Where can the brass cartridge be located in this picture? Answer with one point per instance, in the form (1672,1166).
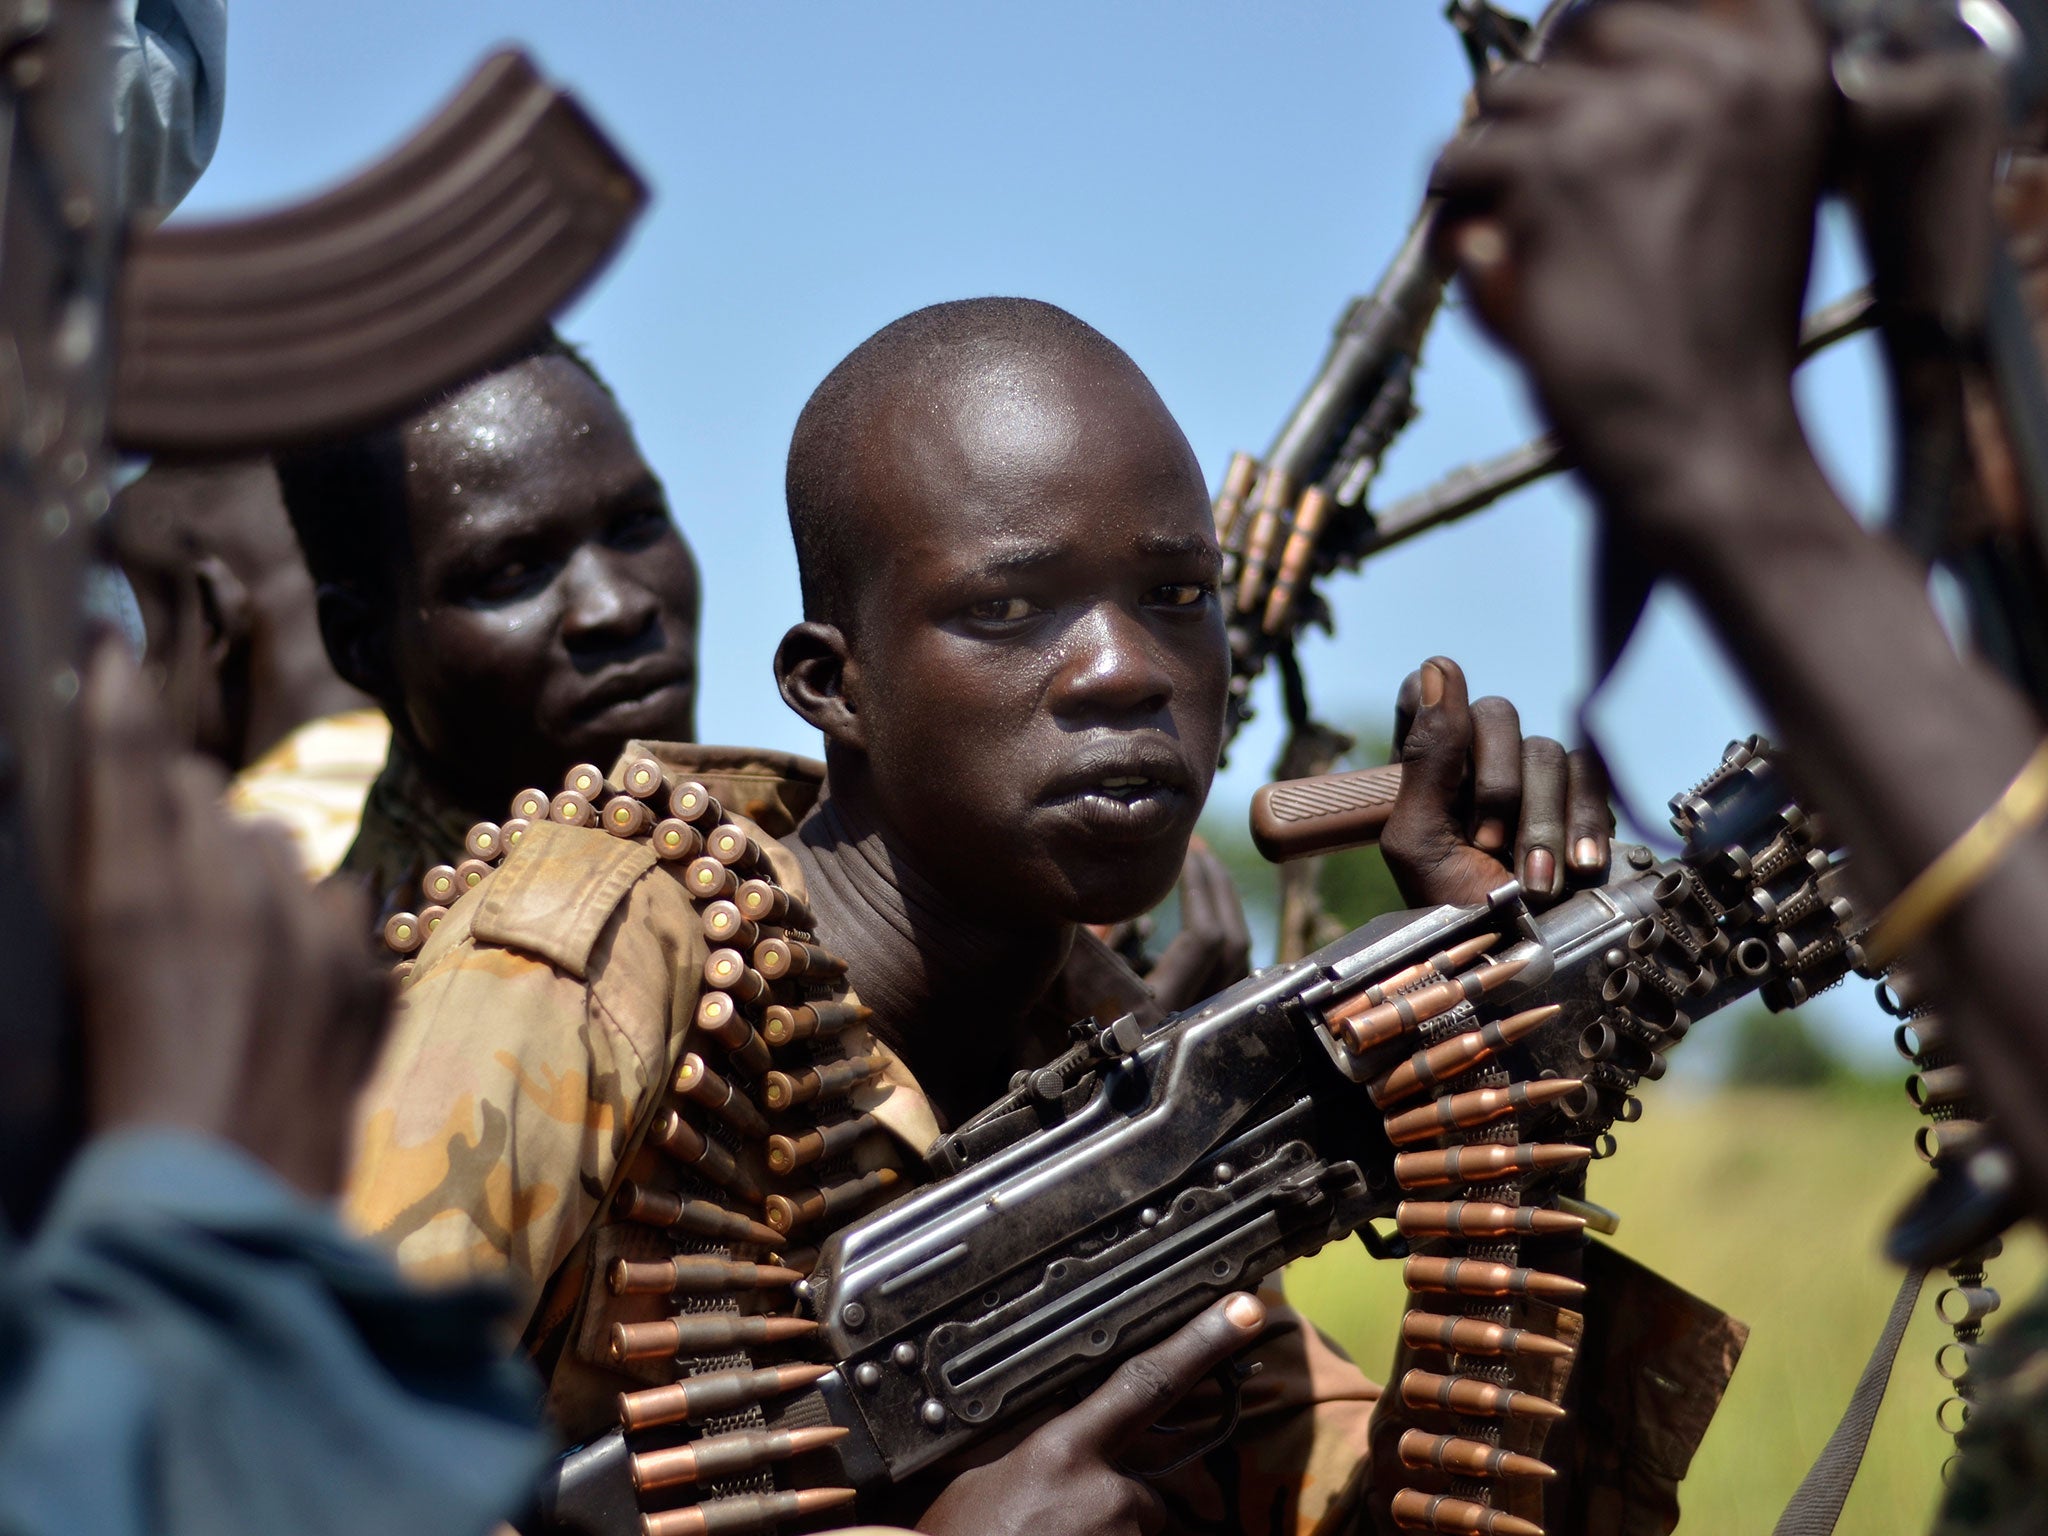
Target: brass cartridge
(786,1154)
(1438,1063)
(1414,1510)
(786,1213)
(714,1395)
(1478,1277)
(784,1089)
(1479,1218)
(720,1457)
(1400,1014)
(755,1514)
(696,1274)
(663,1208)
(702,1333)
(696,1081)
(1470,1458)
(687,1144)
(1472,1336)
(675,840)
(1470,1395)
(823,1020)
(1480,1106)
(1483,1162)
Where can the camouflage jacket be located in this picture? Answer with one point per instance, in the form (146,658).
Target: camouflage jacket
(314,783)
(537,1034)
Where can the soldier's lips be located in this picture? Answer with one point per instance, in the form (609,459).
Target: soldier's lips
(636,702)
(1136,810)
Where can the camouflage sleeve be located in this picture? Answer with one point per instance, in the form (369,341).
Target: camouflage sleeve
(538,1023)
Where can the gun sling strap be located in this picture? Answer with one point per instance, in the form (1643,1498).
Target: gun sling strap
(1817,1503)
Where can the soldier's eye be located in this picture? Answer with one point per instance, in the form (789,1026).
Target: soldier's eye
(515,579)
(1182,594)
(1000,610)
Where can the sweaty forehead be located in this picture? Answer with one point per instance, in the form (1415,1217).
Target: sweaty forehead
(998,444)
(538,420)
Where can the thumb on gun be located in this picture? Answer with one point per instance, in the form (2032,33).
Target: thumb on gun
(1148,1386)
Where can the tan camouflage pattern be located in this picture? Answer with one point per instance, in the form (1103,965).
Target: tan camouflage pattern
(314,784)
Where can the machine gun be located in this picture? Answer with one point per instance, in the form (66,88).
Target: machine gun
(1471,1055)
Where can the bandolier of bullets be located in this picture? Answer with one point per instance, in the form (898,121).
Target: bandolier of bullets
(1463,1157)
(759,1139)
(1956,1133)
(1512,1121)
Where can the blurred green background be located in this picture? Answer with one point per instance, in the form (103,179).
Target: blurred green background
(1761,1177)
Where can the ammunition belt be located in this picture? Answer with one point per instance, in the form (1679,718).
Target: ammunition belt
(759,1141)
(1957,1135)
(1477,1467)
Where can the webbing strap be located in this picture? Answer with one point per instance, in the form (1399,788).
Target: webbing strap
(1817,1504)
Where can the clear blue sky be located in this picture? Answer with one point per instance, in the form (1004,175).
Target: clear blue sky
(1206,182)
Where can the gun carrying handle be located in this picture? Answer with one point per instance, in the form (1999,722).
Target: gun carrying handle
(1298,817)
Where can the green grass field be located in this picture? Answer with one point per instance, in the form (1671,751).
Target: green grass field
(1770,1205)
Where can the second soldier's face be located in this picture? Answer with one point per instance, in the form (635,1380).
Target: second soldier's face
(550,612)
(1039,662)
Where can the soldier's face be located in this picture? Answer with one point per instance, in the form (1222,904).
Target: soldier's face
(550,611)
(1039,661)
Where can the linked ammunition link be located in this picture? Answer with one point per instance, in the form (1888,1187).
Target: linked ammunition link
(1959,1144)
(775,1030)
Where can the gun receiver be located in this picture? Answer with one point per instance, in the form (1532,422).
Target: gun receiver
(1115,1193)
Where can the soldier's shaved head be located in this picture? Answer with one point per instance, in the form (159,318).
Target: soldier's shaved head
(900,394)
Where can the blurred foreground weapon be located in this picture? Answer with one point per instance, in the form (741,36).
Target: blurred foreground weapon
(1476,1056)
(215,338)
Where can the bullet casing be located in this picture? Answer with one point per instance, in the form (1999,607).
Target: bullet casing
(687,1144)
(1479,1218)
(1483,1162)
(1414,1510)
(643,779)
(675,841)
(703,1333)
(786,1213)
(765,902)
(1479,1106)
(486,841)
(1470,1458)
(1480,1277)
(730,845)
(670,1211)
(692,802)
(696,1082)
(714,1395)
(783,1025)
(624,816)
(1447,1334)
(708,880)
(1478,1399)
(751,1514)
(786,1154)
(1399,1015)
(1450,1058)
(782,1090)
(719,1457)
(695,1274)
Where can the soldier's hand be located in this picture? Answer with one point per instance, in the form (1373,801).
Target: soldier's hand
(1635,218)
(1213,949)
(1063,1480)
(219,992)
(1480,802)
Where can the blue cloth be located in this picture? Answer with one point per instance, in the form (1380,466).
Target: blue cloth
(186,1346)
(170,87)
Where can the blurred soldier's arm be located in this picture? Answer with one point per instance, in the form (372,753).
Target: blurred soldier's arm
(1643,218)
(186,1342)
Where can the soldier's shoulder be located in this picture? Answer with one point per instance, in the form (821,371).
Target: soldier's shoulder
(552,897)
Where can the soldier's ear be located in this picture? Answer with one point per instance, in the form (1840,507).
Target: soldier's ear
(357,638)
(819,679)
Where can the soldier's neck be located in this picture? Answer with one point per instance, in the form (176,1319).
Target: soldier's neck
(951,995)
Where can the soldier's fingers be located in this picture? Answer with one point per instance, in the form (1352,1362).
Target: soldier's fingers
(1539,847)
(1406,702)
(1496,772)
(1148,1385)
(1589,817)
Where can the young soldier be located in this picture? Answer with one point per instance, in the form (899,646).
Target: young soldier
(1013,648)
(501,573)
